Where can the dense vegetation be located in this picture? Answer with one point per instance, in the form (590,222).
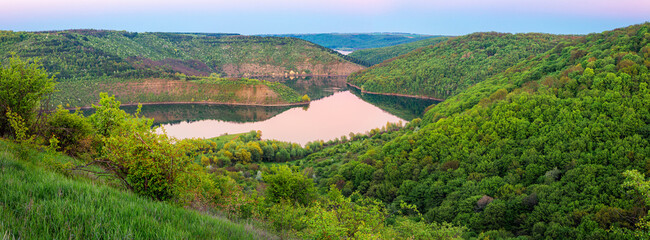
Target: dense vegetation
(537,151)
(38,202)
(450,67)
(355,41)
(76,54)
(197,90)
(221,176)
(554,146)
(374,56)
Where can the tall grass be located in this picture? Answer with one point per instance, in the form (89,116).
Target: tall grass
(36,203)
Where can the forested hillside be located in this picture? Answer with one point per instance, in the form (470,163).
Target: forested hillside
(443,70)
(541,150)
(374,56)
(355,41)
(555,145)
(75,54)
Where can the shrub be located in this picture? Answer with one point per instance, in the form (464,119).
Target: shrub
(286,185)
(23,84)
(72,130)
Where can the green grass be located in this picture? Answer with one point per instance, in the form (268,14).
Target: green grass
(36,203)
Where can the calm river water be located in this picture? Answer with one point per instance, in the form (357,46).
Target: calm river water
(336,111)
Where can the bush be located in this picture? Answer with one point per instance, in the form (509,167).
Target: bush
(286,185)
(23,84)
(72,130)
(146,162)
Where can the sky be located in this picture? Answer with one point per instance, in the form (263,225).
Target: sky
(450,17)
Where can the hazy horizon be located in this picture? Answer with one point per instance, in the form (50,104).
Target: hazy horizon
(250,17)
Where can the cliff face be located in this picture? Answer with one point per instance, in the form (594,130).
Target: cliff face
(303,69)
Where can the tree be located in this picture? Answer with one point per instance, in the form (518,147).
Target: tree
(151,164)
(636,180)
(305,98)
(108,115)
(23,85)
(73,131)
(286,185)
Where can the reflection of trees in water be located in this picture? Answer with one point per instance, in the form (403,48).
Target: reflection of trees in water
(176,113)
(403,107)
(316,87)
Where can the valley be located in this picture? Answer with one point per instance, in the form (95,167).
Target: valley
(481,136)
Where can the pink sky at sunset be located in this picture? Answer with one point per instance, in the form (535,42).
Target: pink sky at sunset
(637,8)
(294,16)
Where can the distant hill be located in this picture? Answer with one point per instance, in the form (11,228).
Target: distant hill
(93,53)
(448,68)
(356,41)
(374,56)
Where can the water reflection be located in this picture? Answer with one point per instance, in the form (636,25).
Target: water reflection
(335,111)
(316,87)
(176,113)
(403,107)
(325,119)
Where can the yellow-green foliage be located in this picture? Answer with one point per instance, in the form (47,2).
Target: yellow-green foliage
(151,164)
(23,84)
(283,184)
(72,131)
(36,203)
(337,217)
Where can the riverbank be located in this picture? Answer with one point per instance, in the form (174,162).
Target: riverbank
(249,92)
(205,103)
(395,94)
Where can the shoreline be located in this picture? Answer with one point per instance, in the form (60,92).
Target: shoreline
(203,103)
(395,94)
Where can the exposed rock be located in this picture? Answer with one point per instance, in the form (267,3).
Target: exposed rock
(483,202)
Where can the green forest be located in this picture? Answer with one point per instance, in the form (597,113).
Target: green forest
(88,54)
(450,67)
(540,137)
(374,56)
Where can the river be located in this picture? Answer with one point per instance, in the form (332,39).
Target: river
(335,111)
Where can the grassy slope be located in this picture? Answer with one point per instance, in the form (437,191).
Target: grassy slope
(374,56)
(89,53)
(353,41)
(36,203)
(448,68)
